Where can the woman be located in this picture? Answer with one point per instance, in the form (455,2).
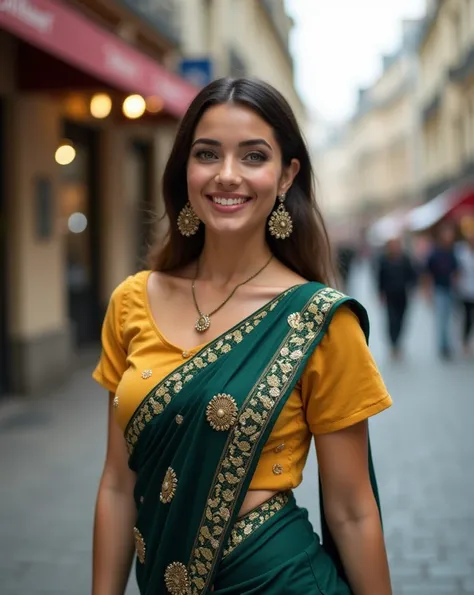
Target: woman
(222,362)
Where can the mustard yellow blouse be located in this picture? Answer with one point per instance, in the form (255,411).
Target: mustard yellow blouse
(339,387)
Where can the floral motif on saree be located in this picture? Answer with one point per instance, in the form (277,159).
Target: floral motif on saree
(176,579)
(168,489)
(222,412)
(140,546)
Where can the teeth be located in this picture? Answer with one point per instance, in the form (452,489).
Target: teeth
(228,202)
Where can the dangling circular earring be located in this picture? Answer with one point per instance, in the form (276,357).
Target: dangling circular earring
(281,223)
(188,221)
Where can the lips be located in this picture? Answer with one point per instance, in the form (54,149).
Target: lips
(228,202)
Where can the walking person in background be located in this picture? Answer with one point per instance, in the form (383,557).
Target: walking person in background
(396,278)
(465,286)
(439,281)
(345,255)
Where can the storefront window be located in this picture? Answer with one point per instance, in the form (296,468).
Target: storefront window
(78,203)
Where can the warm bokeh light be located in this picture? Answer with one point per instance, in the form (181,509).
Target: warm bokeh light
(65,153)
(154,104)
(134,106)
(101,105)
(76,106)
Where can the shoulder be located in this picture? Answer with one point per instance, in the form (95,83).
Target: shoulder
(343,350)
(347,328)
(132,286)
(332,308)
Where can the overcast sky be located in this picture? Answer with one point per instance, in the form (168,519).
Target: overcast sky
(337,46)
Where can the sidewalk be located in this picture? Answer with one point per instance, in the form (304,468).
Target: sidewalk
(53,449)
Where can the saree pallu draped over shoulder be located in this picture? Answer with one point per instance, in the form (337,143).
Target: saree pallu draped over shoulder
(195,440)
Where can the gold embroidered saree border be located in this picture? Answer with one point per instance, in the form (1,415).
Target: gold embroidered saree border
(162,394)
(241,445)
(252,521)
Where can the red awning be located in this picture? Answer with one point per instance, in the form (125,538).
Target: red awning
(450,204)
(70,36)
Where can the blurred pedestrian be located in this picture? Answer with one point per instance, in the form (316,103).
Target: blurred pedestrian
(231,331)
(345,255)
(439,282)
(465,286)
(396,278)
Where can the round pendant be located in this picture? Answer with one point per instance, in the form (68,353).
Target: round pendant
(202,323)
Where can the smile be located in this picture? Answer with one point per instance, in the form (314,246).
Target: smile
(228,202)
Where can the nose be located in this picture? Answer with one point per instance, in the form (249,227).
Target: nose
(228,174)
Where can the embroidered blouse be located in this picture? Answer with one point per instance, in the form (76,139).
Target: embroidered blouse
(340,386)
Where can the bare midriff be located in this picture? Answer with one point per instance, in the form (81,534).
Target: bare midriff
(255,498)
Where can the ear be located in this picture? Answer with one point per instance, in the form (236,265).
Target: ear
(288,175)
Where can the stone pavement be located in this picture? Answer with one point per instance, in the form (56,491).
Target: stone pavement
(53,448)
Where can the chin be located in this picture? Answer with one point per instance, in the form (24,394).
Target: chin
(230,228)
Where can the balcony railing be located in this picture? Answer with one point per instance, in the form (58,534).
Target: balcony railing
(162,15)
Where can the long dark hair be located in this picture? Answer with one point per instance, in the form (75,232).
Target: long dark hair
(307,251)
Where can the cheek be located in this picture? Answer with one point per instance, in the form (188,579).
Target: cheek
(265,181)
(196,178)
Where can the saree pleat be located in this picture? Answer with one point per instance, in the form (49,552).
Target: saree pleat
(281,557)
(195,441)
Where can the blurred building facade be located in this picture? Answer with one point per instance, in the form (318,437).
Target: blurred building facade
(91,93)
(77,177)
(373,162)
(446,94)
(412,136)
(242,38)
(384,133)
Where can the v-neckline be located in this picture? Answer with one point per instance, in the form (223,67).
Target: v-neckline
(197,348)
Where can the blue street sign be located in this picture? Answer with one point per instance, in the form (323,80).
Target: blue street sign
(197,71)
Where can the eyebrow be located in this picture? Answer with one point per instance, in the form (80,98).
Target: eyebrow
(246,143)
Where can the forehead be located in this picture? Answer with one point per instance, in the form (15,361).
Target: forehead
(233,123)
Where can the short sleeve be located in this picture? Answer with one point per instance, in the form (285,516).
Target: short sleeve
(341,384)
(113,359)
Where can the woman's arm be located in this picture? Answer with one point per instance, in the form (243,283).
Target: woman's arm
(114,517)
(351,510)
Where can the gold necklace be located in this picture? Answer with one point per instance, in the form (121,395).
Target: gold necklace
(203,323)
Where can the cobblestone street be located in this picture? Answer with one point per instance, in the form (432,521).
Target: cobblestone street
(53,447)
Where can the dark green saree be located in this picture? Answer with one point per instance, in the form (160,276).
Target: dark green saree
(195,442)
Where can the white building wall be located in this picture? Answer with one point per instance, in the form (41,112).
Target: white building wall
(212,27)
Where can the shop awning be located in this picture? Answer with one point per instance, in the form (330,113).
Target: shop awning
(71,37)
(451,203)
(388,227)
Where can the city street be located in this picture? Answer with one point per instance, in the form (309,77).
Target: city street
(53,448)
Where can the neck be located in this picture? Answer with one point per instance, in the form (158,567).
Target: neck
(230,260)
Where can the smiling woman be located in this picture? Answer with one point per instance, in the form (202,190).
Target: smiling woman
(222,362)
(250,134)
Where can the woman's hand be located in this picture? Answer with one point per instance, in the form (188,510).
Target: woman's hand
(351,510)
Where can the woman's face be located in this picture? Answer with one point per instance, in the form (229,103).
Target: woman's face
(235,170)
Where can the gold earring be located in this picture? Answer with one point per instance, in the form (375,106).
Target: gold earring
(281,223)
(188,221)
